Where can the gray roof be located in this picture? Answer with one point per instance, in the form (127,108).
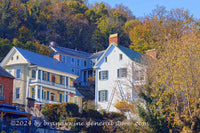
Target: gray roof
(44,61)
(133,55)
(4,73)
(77,53)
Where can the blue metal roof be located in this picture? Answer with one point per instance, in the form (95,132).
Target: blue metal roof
(133,55)
(77,53)
(44,61)
(11,109)
(4,73)
(78,93)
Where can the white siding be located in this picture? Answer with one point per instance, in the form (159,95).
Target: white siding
(112,65)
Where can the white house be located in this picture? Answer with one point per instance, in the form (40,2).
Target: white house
(117,70)
(80,63)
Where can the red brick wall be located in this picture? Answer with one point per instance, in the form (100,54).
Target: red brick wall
(7,89)
(58,57)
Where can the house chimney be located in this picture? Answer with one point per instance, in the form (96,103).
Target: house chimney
(114,38)
(152,53)
(57,57)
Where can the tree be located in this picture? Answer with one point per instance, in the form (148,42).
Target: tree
(173,86)
(157,28)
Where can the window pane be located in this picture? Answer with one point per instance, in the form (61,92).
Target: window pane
(17,94)
(38,93)
(123,72)
(39,74)
(33,73)
(1,90)
(33,92)
(103,95)
(47,95)
(18,72)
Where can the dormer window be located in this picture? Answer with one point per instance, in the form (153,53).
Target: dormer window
(11,58)
(17,57)
(120,56)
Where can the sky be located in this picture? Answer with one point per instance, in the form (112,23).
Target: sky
(140,8)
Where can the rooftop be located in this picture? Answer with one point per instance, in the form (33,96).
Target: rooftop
(76,52)
(4,73)
(43,61)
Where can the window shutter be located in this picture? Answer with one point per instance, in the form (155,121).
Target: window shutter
(47,95)
(48,76)
(61,98)
(60,79)
(99,75)
(42,94)
(99,96)
(118,71)
(38,93)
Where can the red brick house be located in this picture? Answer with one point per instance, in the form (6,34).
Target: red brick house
(6,87)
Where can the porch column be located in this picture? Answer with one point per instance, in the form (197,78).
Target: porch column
(36,92)
(65,82)
(64,99)
(36,75)
(40,93)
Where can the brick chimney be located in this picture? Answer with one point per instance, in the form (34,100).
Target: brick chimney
(57,57)
(114,38)
(152,53)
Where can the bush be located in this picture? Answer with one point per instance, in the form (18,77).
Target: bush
(114,116)
(71,109)
(93,114)
(57,112)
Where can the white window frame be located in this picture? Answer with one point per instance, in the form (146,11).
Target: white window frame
(120,73)
(20,71)
(103,96)
(16,93)
(44,95)
(103,75)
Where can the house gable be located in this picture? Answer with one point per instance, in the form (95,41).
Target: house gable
(14,57)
